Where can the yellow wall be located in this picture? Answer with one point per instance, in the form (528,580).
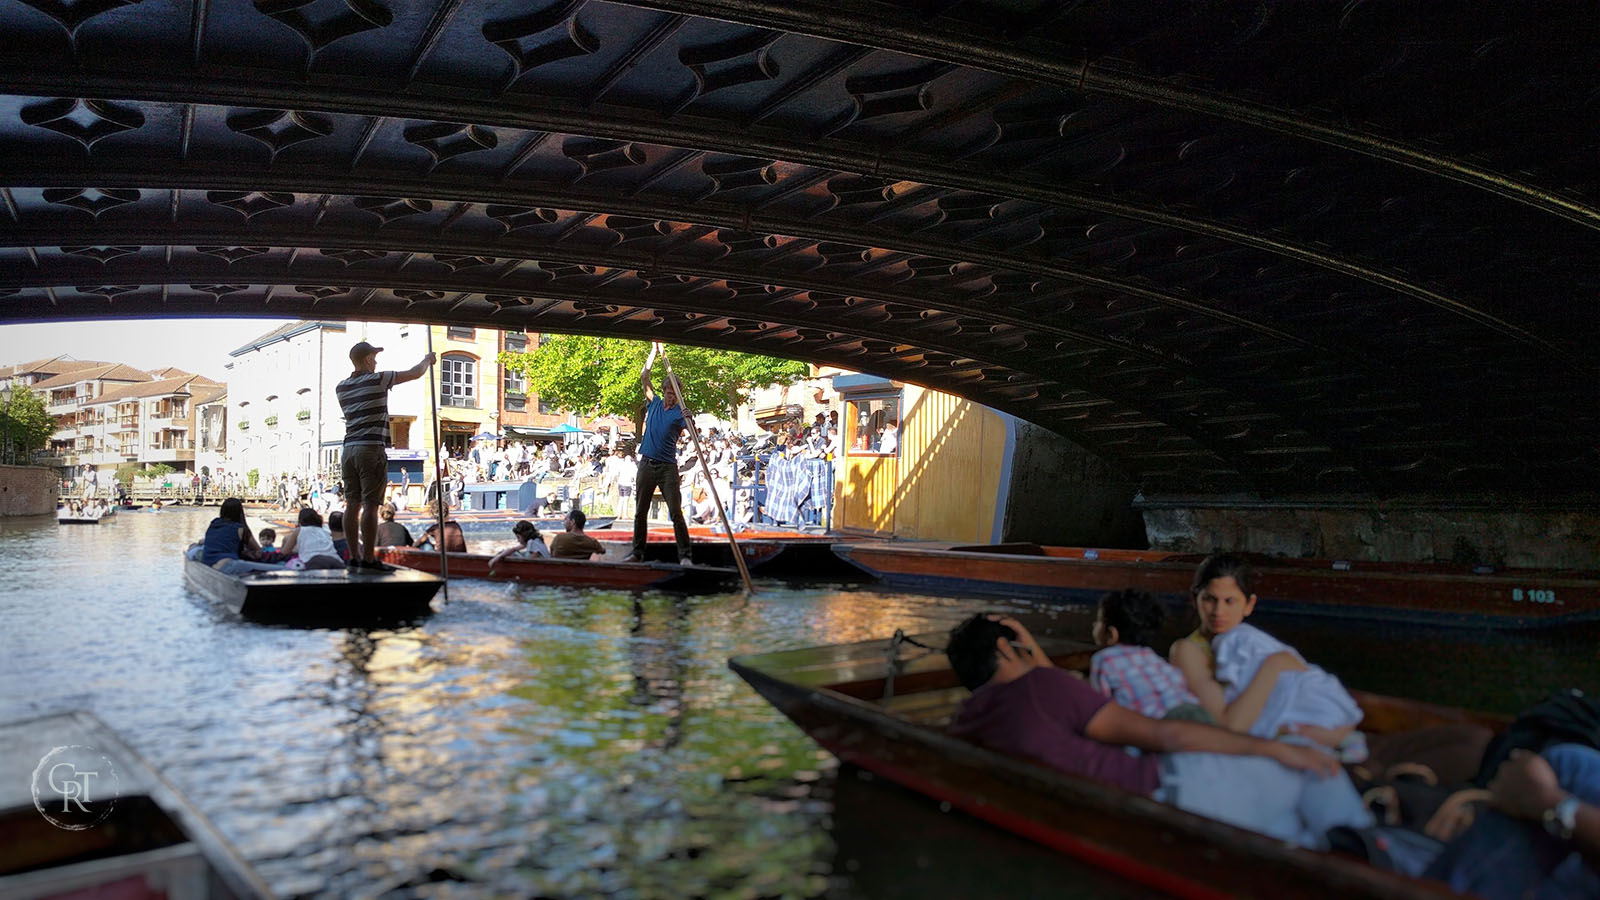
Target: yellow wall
(945,483)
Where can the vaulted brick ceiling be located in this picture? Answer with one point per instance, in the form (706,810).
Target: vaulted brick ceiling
(1308,249)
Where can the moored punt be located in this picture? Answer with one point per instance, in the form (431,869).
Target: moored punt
(317,597)
(567,572)
(151,842)
(1420,593)
(836,695)
(71,519)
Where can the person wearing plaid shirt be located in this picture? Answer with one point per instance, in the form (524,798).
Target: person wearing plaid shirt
(1127,670)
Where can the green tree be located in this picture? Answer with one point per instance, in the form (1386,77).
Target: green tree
(27,423)
(600,376)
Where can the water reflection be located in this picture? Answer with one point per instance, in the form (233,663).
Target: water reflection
(535,742)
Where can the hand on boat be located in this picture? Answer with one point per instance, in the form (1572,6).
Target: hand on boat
(1525,786)
(1305,759)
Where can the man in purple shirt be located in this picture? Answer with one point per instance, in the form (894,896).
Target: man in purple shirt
(1022,705)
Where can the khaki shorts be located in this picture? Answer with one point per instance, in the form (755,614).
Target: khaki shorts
(366,474)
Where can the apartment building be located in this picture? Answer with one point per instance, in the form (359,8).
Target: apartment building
(146,422)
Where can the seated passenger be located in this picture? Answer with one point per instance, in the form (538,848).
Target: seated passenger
(228,546)
(1248,680)
(310,546)
(336,531)
(1131,673)
(529,543)
(573,543)
(268,539)
(1542,837)
(1022,705)
(454,540)
(390,532)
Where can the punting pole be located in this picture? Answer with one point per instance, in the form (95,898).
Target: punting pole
(438,467)
(705,467)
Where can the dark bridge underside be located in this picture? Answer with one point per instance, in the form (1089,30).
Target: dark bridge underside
(1280,249)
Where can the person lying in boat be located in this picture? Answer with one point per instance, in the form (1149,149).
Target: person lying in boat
(390,532)
(1541,839)
(310,545)
(573,543)
(1023,705)
(1128,670)
(1250,681)
(454,540)
(229,546)
(530,543)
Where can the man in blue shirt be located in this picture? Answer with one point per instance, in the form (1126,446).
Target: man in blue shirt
(658,463)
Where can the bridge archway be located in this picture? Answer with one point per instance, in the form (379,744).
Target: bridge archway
(1271,251)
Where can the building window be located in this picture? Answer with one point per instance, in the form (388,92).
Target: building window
(546,409)
(545,339)
(516,342)
(873,425)
(516,404)
(461,332)
(458,381)
(516,382)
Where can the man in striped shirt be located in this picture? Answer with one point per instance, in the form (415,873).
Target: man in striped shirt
(364,397)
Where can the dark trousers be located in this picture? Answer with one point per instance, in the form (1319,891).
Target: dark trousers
(656,474)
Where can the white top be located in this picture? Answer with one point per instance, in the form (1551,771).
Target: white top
(1311,697)
(312,540)
(535,549)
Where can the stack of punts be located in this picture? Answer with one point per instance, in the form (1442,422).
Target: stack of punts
(317,597)
(837,695)
(1420,593)
(121,829)
(575,573)
(766,550)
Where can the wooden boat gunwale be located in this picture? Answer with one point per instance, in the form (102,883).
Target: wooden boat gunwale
(286,596)
(1031,800)
(224,861)
(561,572)
(1067,575)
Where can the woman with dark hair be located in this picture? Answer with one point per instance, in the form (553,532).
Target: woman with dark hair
(229,546)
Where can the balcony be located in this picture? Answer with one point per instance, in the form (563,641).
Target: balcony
(168,454)
(126,423)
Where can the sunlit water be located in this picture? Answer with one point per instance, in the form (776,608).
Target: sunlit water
(528,742)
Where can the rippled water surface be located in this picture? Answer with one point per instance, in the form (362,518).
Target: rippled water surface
(529,742)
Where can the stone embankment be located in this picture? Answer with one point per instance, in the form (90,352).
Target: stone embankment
(27,491)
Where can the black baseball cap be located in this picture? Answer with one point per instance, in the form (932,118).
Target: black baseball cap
(362,350)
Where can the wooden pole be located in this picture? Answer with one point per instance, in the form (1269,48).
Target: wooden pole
(705,467)
(438,467)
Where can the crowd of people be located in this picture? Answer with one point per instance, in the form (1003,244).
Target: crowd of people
(1232,724)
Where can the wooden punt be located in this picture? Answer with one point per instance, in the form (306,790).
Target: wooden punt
(317,597)
(836,695)
(80,520)
(150,843)
(1398,592)
(576,573)
(766,551)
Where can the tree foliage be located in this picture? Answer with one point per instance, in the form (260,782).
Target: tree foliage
(600,376)
(27,423)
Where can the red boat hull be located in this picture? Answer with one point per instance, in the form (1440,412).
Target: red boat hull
(561,572)
(1427,594)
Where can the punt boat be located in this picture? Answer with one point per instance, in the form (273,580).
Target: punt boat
(766,551)
(123,832)
(869,705)
(1419,593)
(578,573)
(81,518)
(317,597)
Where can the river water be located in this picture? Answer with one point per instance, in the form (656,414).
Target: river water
(528,742)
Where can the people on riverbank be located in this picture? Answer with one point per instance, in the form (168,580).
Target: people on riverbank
(1022,705)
